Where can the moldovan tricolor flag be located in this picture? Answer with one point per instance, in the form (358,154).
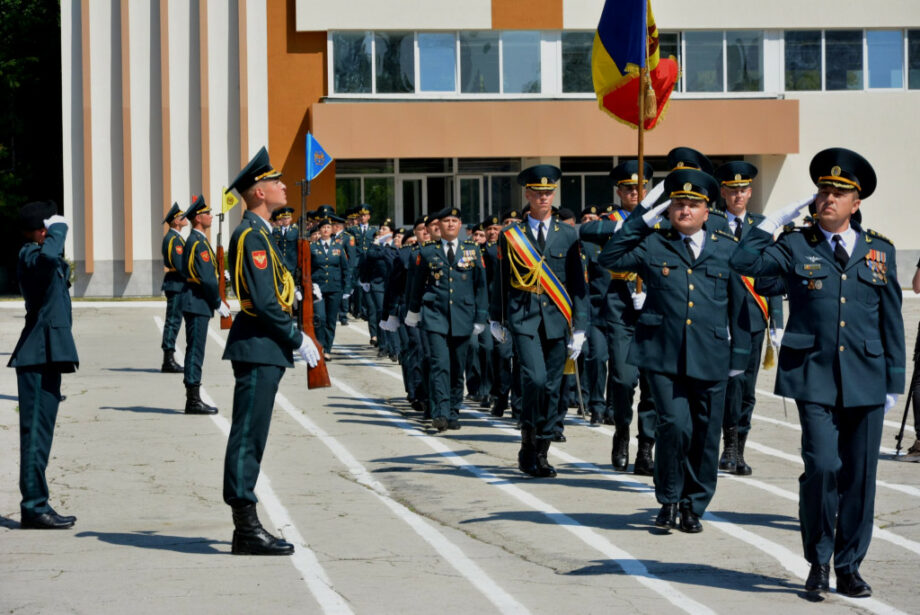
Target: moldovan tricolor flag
(626,36)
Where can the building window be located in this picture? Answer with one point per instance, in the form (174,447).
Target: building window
(576,62)
(803,59)
(843,51)
(521,62)
(744,60)
(913,59)
(669,47)
(352,57)
(437,62)
(394,55)
(703,61)
(885,58)
(479,58)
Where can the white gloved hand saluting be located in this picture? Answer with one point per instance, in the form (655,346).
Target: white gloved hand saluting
(653,194)
(784,216)
(499,332)
(891,400)
(575,344)
(56,219)
(224,309)
(412,319)
(308,351)
(653,216)
(638,300)
(317,293)
(478,328)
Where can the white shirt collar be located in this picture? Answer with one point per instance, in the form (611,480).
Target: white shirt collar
(847,238)
(444,244)
(268,225)
(697,241)
(534,223)
(732,217)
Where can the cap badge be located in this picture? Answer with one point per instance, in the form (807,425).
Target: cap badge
(737,177)
(688,187)
(835,171)
(634,177)
(544,181)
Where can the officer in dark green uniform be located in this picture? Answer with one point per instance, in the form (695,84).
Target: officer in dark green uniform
(372,276)
(758,311)
(686,337)
(448,296)
(539,300)
(842,358)
(364,234)
(173,281)
(200,297)
(331,274)
(45,351)
(259,347)
(286,236)
(351,252)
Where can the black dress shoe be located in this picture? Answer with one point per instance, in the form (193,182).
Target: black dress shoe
(486,401)
(194,404)
(498,409)
(645,465)
(559,437)
(250,538)
(818,579)
(619,455)
(544,469)
(453,424)
(608,420)
(667,516)
(852,585)
(439,423)
(689,522)
(594,419)
(47,521)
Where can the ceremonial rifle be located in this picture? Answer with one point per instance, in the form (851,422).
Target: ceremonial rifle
(317,377)
(910,399)
(225,321)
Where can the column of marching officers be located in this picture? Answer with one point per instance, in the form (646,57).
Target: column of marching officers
(656,309)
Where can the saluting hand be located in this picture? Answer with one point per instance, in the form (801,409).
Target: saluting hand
(56,219)
(653,216)
(784,216)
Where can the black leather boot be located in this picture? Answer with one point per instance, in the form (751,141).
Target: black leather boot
(499,407)
(250,538)
(728,462)
(193,403)
(741,466)
(645,465)
(169,363)
(619,455)
(544,469)
(667,516)
(527,456)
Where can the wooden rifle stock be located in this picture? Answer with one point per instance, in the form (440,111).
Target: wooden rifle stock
(225,321)
(317,377)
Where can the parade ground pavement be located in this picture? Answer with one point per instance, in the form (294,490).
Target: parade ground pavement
(386,515)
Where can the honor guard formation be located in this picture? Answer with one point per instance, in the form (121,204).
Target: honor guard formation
(650,315)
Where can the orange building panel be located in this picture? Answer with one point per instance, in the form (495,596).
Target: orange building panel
(526,14)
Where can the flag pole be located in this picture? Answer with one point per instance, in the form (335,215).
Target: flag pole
(643,77)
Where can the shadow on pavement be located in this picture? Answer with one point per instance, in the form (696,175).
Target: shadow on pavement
(143,409)
(9,397)
(779,522)
(152,540)
(8,523)
(142,370)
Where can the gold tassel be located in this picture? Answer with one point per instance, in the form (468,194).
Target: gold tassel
(769,358)
(651,103)
(570,367)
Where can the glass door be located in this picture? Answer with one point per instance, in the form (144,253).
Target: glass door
(413,200)
(469,198)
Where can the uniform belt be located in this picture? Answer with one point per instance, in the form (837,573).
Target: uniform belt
(245,303)
(622,275)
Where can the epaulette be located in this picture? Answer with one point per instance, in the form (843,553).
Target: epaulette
(724,234)
(718,212)
(789,228)
(470,241)
(430,242)
(415,246)
(877,235)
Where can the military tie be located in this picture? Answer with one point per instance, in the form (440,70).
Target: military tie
(840,253)
(738,228)
(450,252)
(689,243)
(541,238)
(326,247)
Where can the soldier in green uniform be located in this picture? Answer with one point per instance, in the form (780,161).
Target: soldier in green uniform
(842,358)
(758,311)
(286,235)
(45,350)
(364,234)
(331,276)
(539,300)
(351,252)
(686,337)
(173,281)
(259,347)
(200,297)
(448,296)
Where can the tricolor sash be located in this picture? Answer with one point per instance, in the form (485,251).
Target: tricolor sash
(531,273)
(758,299)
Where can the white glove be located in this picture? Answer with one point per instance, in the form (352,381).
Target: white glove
(653,216)
(56,219)
(298,294)
(478,328)
(638,300)
(776,336)
(365,286)
(412,319)
(224,309)
(346,296)
(226,275)
(575,344)
(653,194)
(891,399)
(317,293)
(390,324)
(499,332)
(784,216)
(734,372)
(308,351)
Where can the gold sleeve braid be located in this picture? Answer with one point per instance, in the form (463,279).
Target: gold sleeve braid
(284,294)
(191,264)
(169,253)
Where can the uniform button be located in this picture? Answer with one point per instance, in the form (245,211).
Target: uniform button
(691,287)
(843,323)
(843,276)
(689,271)
(842,349)
(690,304)
(689,322)
(451,301)
(843,299)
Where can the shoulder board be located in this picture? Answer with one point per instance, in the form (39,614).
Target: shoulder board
(470,242)
(724,234)
(415,247)
(718,212)
(431,242)
(877,235)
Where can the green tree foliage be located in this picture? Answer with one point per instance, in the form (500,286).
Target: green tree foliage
(30,117)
